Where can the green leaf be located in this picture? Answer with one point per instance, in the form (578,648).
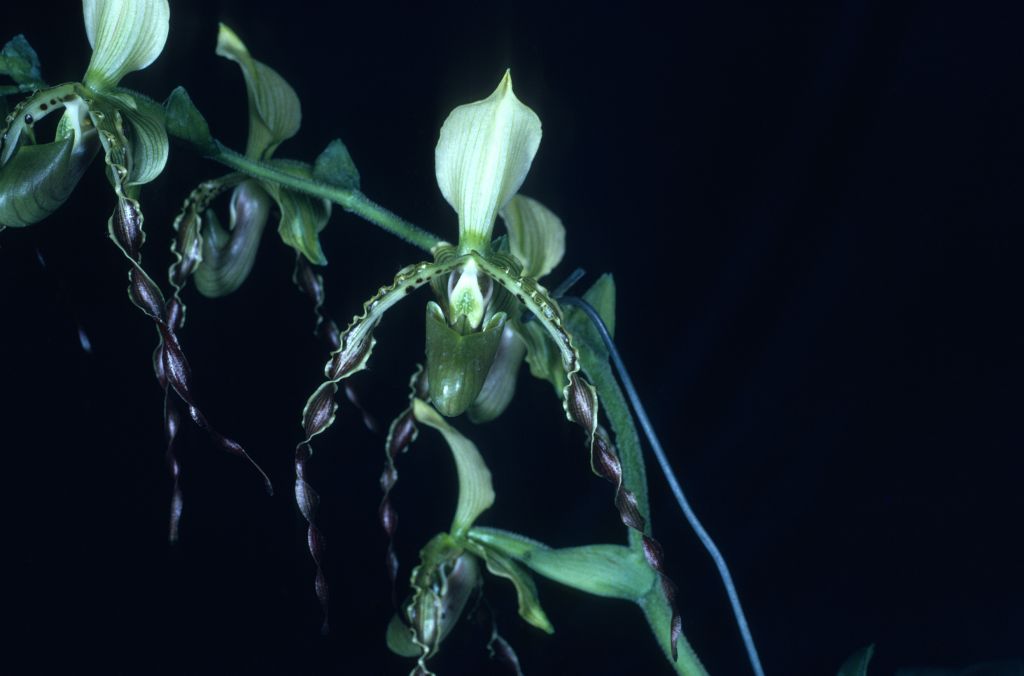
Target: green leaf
(21,63)
(611,571)
(536,235)
(526,590)
(458,361)
(274,110)
(147,135)
(228,255)
(39,178)
(184,121)
(302,217)
(857,664)
(476,493)
(335,166)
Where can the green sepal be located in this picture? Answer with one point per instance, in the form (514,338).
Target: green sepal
(147,137)
(476,492)
(274,110)
(612,571)
(335,166)
(302,217)
(536,235)
(526,589)
(184,121)
(228,255)
(857,663)
(458,362)
(543,356)
(39,178)
(21,63)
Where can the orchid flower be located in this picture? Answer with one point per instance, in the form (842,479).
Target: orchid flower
(475,340)
(36,178)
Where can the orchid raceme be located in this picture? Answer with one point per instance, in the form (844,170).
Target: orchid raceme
(488,312)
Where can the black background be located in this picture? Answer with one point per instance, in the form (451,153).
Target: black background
(813,215)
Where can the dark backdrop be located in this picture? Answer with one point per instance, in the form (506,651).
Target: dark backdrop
(812,212)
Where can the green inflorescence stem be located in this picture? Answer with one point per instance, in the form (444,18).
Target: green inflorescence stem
(350,200)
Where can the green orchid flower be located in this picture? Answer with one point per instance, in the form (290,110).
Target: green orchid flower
(475,341)
(474,347)
(449,572)
(37,178)
(222,258)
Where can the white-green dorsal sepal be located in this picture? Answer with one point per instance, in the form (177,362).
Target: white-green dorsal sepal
(126,35)
(274,110)
(536,235)
(476,493)
(482,157)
